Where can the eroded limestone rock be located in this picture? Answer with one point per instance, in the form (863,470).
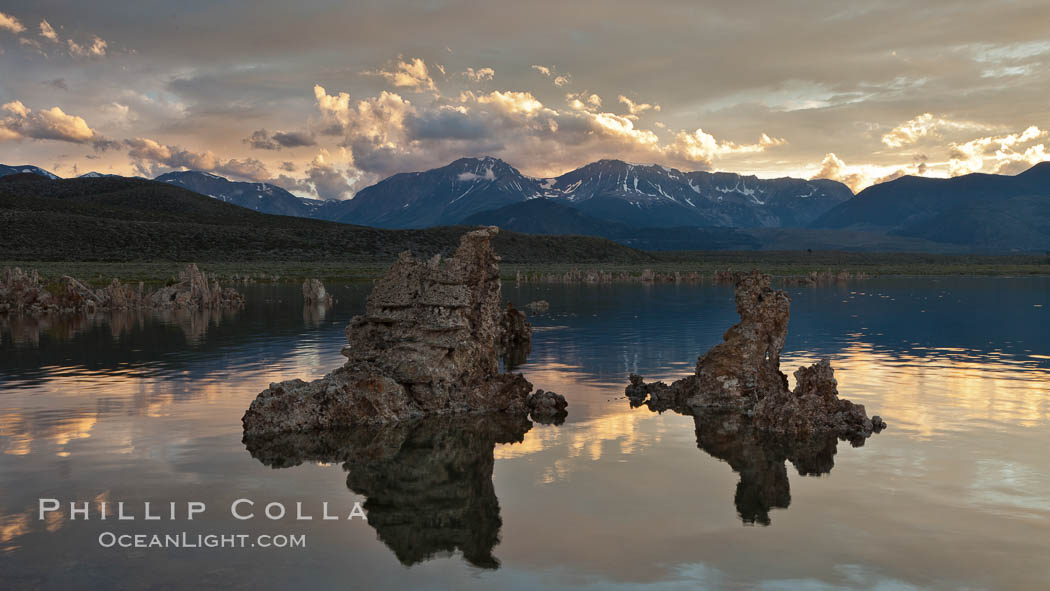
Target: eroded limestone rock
(26,293)
(193,292)
(314,293)
(515,337)
(427,344)
(538,307)
(547,407)
(742,374)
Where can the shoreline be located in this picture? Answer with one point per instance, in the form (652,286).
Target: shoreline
(691,267)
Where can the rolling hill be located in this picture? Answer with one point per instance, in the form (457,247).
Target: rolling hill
(981,211)
(122,219)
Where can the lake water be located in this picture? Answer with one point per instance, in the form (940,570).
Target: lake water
(954,494)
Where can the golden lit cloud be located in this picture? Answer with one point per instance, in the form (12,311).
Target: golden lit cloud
(412,74)
(970,156)
(48,32)
(926,126)
(479,74)
(10,24)
(47,124)
(833,168)
(96,48)
(634,109)
(702,147)
(151,158)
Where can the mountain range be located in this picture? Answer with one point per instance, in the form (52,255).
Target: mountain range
(131,219)
(989,211)
(658,208)
(6,170)
(611,190)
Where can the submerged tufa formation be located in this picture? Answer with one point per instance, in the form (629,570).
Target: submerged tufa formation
(314,293)
(22,292)
(427,344)
(743,375)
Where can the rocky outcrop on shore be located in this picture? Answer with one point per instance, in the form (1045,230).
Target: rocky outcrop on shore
(743,375)
(194,292)
(427,344)
(26,293)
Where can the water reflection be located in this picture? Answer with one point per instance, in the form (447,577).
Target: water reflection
(314,313)
(759,458)
(428,482)
(26,330)
(155,416)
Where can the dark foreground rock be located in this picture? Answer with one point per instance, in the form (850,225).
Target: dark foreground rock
(743,375)
(427,482)
(547,407)
(427,344)
(26,293)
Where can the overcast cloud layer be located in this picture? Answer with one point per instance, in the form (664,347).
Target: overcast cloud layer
(324,99)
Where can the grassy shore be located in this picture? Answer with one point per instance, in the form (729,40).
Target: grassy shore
(778,263)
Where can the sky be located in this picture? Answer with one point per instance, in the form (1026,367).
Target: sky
(325,98)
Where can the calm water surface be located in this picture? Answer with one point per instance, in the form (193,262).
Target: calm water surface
(955,494)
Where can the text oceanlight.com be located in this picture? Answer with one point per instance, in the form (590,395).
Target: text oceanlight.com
(188,540)
(169,511)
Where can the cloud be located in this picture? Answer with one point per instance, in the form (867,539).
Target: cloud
(583,101)
(470,176)
(835,169)
(634,109)
(387,134)
(702,148)
(479,74)
(926,125)
(119,114)
(47,124)
(766,141)
(48,32)
(323,178)
(151,158)
(552,72)
(542,70)
(374,129)
(97,48)
(10,24)
(969,157)
(59,83)
(105,145)
(263,139)
(510,102)
(445,123)
(918,168)
(412,74)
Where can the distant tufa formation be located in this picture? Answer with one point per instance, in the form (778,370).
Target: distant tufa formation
(743,374)
(314,293)
(428,343)
(25,293)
